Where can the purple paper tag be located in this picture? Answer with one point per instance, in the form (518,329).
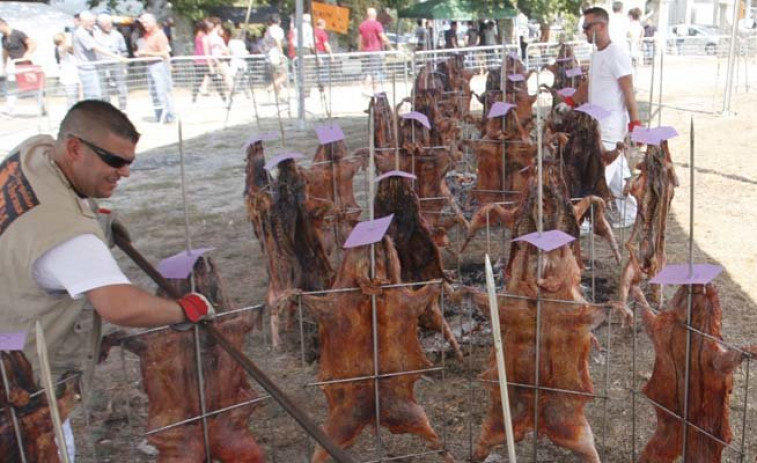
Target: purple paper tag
(500,109)
(265,136)
(12,341)
(395,173)
(665,132)
(597,112)
(180,265)
(548,241)
(678,274)
(274,161)
(575,72)
(329,134)
(645,136)
(420,117)
(566,92)
(380,95)
(564,60)
(516,78)
(368,232)
(513,55)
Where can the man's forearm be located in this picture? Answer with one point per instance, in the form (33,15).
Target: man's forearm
(626,86)
(127,305)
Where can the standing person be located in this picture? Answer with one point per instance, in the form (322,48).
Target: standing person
(54,256)
(322,46)
(450,36)
(489,39)
(113,41)
(619,26)
(610,86)
(17,49)
(471,35)
(635,35)
(238,64)
(202,65)
(273,44)
(421,36)
(87,52)
(219,50)
(155,45)
(372,39)
(308,44)
(69,77)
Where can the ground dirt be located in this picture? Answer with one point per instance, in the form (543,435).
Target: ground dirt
(150,202)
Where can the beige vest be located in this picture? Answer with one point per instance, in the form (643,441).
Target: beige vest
(39,210)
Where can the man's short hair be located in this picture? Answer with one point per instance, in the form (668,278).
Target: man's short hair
(598,12)
(2,21)
(275,18)
(96,115)
(617,7)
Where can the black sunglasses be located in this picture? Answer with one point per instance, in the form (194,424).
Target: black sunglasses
(113,160)
(587,26)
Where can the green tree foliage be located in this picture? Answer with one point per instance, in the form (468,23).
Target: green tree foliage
(546,11)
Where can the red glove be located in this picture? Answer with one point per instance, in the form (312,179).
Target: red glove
(569,101)
(633,124)
(196,307)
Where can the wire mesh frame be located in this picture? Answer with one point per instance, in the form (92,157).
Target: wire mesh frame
(377,376)
(686,423)
(199,380)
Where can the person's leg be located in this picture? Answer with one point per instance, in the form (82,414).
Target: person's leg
(152,88)
(90,81)
(162,78)
(123,90)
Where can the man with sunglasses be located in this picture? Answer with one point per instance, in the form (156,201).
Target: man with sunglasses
(54,254)
(610,86)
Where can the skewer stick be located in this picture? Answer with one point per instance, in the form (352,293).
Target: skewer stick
(691,200)
(499,350)
(47,383)
(198,349)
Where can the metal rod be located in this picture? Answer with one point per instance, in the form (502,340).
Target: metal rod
(265,382)
(746,408)
(14,418)
(635,336)
(207,415)
(372,377)
(690,297)
(547,389)
(659,93)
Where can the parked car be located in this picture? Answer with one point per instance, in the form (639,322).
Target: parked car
(695,40)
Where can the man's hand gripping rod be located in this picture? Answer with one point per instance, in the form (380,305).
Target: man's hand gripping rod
(339,455)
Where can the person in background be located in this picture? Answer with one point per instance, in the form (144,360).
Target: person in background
(308,44)
(69,77)
(649,44)
(372,40)
(450,36)
(112,74)
(421,36)
(155,45)
(635,35)
(322,47)
(168,26)
(17,49)
(610,86)
(204,67)
(238,63)
(273,46)
(431,38)
(87,52)
(471,35)
(619,26)
(220,53)
(54,257)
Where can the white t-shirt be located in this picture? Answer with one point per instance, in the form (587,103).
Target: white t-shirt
(607,66)
(78,265)
(619,27)
(307,35)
